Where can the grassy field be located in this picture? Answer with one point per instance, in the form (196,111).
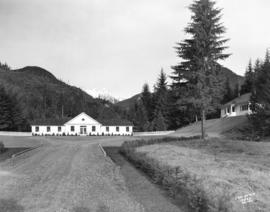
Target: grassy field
(216,175)
(213,127)
(65,174)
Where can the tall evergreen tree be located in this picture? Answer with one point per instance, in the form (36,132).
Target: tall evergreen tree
(248,83)
(5,110)
(260,98)
(160,98)
(147,101)
(11,117)
(159,122)
(200,54)
(229,93)
(141,121)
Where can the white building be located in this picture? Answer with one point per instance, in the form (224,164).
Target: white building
(239,106)
(83,125)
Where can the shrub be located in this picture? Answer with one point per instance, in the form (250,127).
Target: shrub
(2,147)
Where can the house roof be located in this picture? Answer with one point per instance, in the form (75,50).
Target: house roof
(83,113)
(63,121)
(50,122)
(245,98)
(115,122)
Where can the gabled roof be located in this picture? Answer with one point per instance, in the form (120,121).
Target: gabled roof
(50,122)
(245,98)
(63,121)
(83,113)
(115,122)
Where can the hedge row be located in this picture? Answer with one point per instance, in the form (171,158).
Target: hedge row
(181,185)
(2,147)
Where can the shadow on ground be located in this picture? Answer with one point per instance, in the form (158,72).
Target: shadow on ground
(81,209)
(9,152)
(10,205)
(140,186)
(101,208)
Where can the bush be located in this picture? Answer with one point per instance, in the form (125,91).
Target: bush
(2,147)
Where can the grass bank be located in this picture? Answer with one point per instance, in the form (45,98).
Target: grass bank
(209,176)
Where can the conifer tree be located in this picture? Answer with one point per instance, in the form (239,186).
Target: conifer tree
(229,93)
(147,101)
(260,98)
(141,121)
(160,98)
(11,117)
(159,122)
(200,54)
(248,83)
(5,110)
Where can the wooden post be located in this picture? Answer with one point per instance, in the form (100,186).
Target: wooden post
(202,124)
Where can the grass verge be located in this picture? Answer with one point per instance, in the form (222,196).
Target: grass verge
(208,176)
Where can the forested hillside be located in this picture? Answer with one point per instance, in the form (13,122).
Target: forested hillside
(163,109)
(40,95)
(235,81)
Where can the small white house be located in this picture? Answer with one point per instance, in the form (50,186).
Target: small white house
(239,106)
(82,125)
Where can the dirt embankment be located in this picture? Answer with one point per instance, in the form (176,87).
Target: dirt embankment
(141,188)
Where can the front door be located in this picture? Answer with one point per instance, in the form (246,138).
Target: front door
(83,130)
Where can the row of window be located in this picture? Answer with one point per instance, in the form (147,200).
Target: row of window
(72,129)
(242,108)
(117,129)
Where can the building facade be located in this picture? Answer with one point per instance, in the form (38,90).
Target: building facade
(239,106)
(82,125)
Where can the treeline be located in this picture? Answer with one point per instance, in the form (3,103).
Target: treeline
(11,115)
(5,67)
(166,109)
(152,111)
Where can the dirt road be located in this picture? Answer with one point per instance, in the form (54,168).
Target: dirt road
(64,176)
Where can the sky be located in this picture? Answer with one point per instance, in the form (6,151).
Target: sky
(115,46)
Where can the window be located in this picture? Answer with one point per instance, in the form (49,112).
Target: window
(117,129)
(83,119)
(228,110)
(72,128)
(93,128)
(233,108)
(127,129)
(59,129)
(107,129)
(37,129)
(244,107)
(48,129)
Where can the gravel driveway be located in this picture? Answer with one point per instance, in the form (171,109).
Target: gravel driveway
(68,175)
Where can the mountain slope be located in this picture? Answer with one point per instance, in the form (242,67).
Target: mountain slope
(234,79)
(127,103)
(42,96)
